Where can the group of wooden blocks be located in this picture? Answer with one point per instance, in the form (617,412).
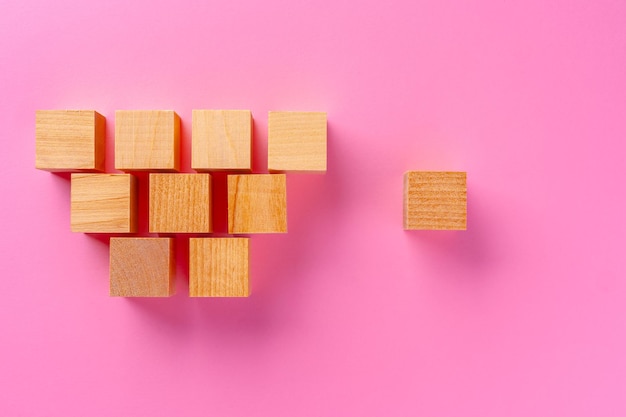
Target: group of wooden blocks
(74,141)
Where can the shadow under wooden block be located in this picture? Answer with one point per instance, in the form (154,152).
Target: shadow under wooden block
(221,140)
(219,267)
(435,200)
(257,203)
(147,140)
(69,140)
(297,141)
(142,267)
(103,203)
(180,203)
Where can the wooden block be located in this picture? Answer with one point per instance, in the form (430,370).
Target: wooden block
(435,200)
(221,140)
(296,141)
(69,140)
(142,267)
(257,203)
(180,203)
(103,203)
(218,267)
(147,140)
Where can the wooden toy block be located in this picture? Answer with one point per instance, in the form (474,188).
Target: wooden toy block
(147,140)
(296,141)
(69,140)
(180,203)
(221,140)
(103,203)
(142,267)
(257,203)
(218,267)
(435,200)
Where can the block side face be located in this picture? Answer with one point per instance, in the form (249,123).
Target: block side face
(209,210)
(141,267)
(297,141)
(180,203)
(199,140)
(132,204)
(435,201)
(257,203)
(222,140)
(147,140)
(100,141)
(100,203)
(67,140)
(218,267)
(175,162)
(405,202)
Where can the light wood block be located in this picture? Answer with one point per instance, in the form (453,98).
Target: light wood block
(69,140)
(180,203)
(221,140)
(147,140)
(435,200)
(219,267)
(257,203)
(103,203)
(142,267)
(297,141)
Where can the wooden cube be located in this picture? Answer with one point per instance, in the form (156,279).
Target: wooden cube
(103,203)
(257,203)
(180,203)
(435,200)
(69,140)
(221,140)
(218,267)
(142,267)
(147,140)
(296,141)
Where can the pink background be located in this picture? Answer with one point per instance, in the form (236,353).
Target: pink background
(523,314)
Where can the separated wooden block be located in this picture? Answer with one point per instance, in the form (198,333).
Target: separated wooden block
(147,140)
(257,203)
(142,267)
(180,203)
(103,203)
(221,140)
(69,140)
(297,141)
(219,267)
(435,200)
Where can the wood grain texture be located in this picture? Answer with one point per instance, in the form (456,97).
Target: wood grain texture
(435,200)
(147,140)
(103,203)
(297,141)
(257,203)
(221,140)
(69,140)
(180,203)
(142,267)
(219,267)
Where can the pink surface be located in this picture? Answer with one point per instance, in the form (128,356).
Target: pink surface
(523,314)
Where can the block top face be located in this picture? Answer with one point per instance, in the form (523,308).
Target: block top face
(219,267)
(69,140)
(435,200)
(180,203)
(141,267)
(257,203)
(221,140)
(103,203)
(297,141)
(147,140)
